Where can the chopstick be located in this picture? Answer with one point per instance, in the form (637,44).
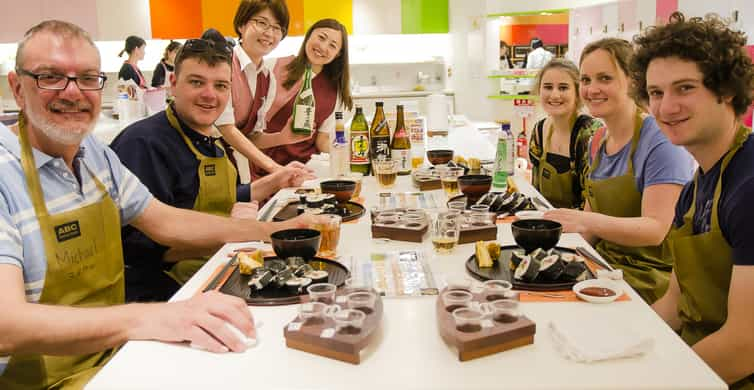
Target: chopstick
(221,276)
(267,212)
(585,253)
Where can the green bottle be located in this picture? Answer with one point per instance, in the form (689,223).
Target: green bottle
(360,143)
(303,106)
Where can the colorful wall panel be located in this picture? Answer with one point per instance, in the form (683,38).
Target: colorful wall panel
(219,14)
(296,12)
(519,30)
(424,16)
(341,10)
(176,19)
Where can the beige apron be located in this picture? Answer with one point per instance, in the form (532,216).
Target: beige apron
(84,269)
(217,194)
(703,267)
(556,187)
(643,267)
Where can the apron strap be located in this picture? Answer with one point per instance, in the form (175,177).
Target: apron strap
(741,136)
(177,126)
(30,170)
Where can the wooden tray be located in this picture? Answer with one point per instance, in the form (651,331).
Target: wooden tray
(501,271)
(489,340)
(237,284)
(426,183)
(399,230)
(343,347)
(355,211)
(472,233)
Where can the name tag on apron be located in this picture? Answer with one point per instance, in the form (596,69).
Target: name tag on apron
(67,231)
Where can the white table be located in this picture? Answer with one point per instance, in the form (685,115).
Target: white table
(408,352)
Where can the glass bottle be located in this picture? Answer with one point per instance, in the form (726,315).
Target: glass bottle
(359,143)
(400,148)
(303,106)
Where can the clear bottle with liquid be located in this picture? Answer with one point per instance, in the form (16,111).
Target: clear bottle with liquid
(504,157)
(339,150)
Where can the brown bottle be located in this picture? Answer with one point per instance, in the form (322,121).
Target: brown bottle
(380,135)
(400,148)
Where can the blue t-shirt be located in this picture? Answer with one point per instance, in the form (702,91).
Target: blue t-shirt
(656,161)
(734,213)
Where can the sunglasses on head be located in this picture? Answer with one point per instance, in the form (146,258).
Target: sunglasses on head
(205,45)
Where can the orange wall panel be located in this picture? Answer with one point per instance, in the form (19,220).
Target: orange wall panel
(296,11)
(175,19)
(219,14)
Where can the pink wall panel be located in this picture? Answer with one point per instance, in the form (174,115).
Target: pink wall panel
(14,21)
(664,9)
(627,15)
(80,12)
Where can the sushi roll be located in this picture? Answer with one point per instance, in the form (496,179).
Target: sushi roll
(551,269)
(314,201)
(297,285)
(283,277)
(575,271)
(295,261)
(487,199)
(302,270)
(275,265)
(528,270)
(329,199)
(260,278)
(516,257)
(567,257)
(317,276)
(538,254)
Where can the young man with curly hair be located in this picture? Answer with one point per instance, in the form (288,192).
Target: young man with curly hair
(698,80)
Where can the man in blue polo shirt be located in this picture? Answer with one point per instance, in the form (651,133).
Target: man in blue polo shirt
(63,199)
(176,156)
(698,80)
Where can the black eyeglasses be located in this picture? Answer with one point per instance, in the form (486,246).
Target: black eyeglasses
(59,82)
(205,45)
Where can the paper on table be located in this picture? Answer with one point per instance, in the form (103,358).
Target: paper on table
(597,339)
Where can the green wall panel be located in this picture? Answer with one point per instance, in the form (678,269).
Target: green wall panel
(424,16)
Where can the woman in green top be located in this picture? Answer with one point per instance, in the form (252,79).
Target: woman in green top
(560,142)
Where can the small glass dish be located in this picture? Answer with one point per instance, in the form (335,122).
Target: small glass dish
(362,301)
(505,311)
(322,292)
(312,313)
(349,321)
(455,299)
(468,320)
(482,218)
(497,289)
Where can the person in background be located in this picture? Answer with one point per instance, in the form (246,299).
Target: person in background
(163,70)
(176,156)
(505,56)
(135,47)
(325,49)
(65,195)
(698,80)
(260,25)
(559,149)
(538,57)
(634,178)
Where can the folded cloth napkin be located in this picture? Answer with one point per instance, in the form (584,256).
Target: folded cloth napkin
(597,339)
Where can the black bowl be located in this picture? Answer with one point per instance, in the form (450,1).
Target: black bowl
(531,234)
(439,156)
(342,189)
(474,186)
(295,243)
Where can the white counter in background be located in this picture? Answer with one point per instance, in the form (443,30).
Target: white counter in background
(408,352)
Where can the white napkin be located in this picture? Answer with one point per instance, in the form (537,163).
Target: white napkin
(320,164)
(597,339)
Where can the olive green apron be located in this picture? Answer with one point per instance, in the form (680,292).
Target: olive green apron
(643,267)
(556,187)
(217,194)
(84,269)
(703,267)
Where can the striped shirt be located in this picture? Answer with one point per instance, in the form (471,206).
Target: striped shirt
(21,242)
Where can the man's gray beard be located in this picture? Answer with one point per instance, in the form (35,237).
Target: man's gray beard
(55,133)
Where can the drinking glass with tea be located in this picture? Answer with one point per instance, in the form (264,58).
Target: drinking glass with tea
(449,180)
(329,227)
(445,231)
(386,171)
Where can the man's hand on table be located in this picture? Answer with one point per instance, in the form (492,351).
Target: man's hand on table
(289,176)
(245,210)
(200,320)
